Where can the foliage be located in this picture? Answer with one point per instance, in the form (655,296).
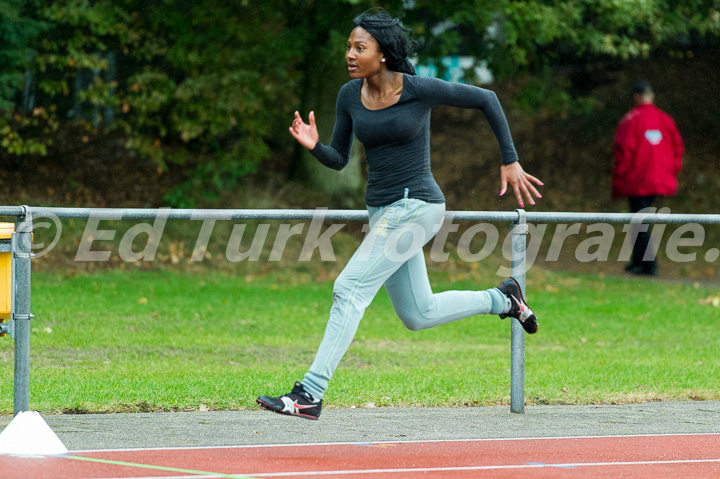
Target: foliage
(538,32)
(529,38)
(16,30)
(194,83)
(518,36)
(206,87)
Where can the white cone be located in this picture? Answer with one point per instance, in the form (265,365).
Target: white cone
(29,434)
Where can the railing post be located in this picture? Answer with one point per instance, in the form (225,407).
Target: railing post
(519,231)
(21,252)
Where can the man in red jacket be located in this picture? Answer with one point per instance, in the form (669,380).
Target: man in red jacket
(648,156)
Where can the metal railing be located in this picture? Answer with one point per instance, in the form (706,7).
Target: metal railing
(21,243)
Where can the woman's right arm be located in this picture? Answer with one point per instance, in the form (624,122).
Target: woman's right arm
(335,156)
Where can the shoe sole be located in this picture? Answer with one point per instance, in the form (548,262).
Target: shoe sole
(270,408)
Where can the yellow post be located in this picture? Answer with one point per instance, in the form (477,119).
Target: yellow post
(6,231)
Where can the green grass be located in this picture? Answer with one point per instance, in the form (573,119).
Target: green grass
(149,341)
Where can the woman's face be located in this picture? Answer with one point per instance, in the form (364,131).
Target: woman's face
(363,54)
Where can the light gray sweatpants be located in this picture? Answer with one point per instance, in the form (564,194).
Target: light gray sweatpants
(391,255)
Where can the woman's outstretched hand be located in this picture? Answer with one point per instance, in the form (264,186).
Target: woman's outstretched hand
(521,182)
(306,135)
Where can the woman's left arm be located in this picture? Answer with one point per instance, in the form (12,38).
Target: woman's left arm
(460,95)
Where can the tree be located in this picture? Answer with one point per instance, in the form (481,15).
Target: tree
(196,83)
(530,38)
(320,30)
(208,87)
(16,30)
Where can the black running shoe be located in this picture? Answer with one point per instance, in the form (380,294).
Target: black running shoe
(518,307)
(298,403)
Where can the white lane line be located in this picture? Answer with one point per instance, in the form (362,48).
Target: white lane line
(483,468)
(570,465)
(419,441)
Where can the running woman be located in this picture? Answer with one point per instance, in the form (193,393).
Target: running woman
(387,107)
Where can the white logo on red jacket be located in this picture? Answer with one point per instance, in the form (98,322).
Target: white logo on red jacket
(653,136)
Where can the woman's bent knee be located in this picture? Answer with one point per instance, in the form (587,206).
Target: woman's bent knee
(412,321)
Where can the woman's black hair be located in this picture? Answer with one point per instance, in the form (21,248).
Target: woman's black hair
(395,41)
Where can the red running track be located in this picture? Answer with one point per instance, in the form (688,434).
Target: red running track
(637,457)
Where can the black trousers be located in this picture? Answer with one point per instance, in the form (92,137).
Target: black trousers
(642,242)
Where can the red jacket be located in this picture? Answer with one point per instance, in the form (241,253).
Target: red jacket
(648,153)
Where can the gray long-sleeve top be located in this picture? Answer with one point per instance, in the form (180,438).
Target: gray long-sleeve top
(397,138)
